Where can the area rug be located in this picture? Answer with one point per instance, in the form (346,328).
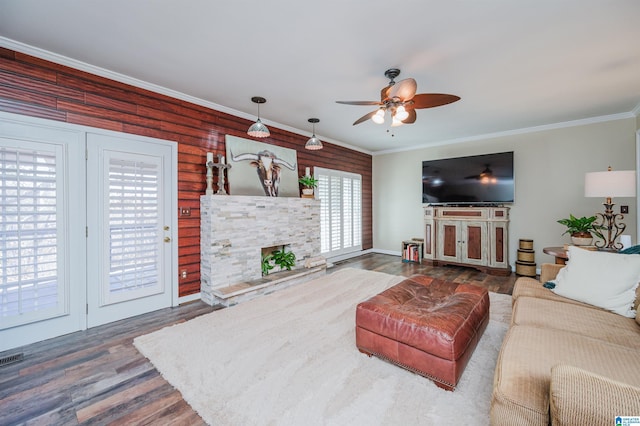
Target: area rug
(290,358)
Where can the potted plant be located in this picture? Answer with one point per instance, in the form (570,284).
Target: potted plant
(267,264)
(308,183)
(284,259)
(281,258)
(580,229)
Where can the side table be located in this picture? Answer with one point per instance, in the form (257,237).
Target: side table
(559,252)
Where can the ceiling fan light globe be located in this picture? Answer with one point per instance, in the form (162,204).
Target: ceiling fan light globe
(378,117)
(396,122)
(401,113)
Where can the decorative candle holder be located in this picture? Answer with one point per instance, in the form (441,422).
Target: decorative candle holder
(209,190)
(221,168)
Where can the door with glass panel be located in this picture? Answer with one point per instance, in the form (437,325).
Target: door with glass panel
(42,223)
(130,227)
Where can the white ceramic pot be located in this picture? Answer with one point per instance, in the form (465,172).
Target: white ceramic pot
(581,241)
(307,191)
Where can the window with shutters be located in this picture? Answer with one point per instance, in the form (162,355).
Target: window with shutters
(32,257)
(340,195)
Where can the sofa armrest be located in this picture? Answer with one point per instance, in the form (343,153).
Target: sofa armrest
(579,397)
(548,271)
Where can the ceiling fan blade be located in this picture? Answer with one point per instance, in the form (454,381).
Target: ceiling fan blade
(359,102)
(411,118)
(404,89)
(430,100)
(364,117)
(384,93)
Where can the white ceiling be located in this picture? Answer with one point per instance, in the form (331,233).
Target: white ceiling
(515,64)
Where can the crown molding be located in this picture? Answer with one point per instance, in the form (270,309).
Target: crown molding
(553,126)
(122,78)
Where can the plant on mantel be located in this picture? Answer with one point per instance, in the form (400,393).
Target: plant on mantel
(308,183)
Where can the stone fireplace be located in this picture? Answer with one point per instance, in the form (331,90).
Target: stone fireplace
(234,231)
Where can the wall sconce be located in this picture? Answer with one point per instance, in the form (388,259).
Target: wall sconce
(609,184)
(257,129)
(313,143)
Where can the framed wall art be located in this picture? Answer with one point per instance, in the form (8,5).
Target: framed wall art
(259,168)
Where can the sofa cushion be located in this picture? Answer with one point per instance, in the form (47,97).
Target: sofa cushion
(589,322)
(603,279)
(579,397)
(529,287)
(523,371)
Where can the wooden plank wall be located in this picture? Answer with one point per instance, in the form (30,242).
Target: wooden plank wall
(39,88)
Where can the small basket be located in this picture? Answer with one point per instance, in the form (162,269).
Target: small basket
(526,255)
(527,269)
(526,244)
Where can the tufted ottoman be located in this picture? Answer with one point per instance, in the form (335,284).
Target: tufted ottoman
(426,325)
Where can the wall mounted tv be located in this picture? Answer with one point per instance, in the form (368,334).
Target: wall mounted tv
(475,180)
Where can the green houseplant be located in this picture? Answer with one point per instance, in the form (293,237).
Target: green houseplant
(308,183)
(284,259)
(580,229)
(267,264)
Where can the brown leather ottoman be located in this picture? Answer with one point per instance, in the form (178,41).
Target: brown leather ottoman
(428,326)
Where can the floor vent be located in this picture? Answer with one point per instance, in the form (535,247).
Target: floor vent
(11,359)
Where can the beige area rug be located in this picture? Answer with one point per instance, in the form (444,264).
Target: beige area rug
(290,358)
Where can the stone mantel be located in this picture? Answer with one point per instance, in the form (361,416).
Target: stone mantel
(235,228)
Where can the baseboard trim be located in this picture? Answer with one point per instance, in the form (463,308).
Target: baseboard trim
(189,298)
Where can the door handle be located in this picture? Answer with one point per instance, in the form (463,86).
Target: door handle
(167,239)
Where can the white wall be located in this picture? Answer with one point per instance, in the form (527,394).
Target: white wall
(549,177)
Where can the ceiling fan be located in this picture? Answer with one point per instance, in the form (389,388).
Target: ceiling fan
(401,100)
(485,176)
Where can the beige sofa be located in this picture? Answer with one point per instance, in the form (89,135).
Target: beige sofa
(564,362)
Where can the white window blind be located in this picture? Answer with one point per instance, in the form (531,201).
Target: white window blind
(340,195)
(32,282)
(134,228)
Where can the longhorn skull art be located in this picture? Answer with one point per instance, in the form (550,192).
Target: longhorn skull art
(267,166)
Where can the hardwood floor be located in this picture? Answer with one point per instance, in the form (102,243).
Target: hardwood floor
(97,376)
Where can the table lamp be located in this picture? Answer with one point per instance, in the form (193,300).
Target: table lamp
(609,184)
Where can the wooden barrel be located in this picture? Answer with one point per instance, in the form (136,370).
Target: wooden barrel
(527,269)
(526,244)
(525,255)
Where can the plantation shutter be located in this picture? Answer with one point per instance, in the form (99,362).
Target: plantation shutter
(340,195)
(134,226)
(32,273)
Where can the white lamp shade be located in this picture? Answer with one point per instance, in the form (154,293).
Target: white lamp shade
(621,183)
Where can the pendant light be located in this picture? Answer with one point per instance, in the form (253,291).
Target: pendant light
(257,129)
(313,143)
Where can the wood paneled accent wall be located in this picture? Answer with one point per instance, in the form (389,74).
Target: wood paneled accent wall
(39,88)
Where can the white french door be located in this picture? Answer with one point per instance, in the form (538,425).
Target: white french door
(42,252)
(87,223)
(130,227)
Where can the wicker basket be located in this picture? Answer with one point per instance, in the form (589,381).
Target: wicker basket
(527,269)
(526,255)
(526,244)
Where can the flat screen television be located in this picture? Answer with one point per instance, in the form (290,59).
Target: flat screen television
(474,180)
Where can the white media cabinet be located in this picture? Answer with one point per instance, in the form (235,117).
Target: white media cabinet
(468,236)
